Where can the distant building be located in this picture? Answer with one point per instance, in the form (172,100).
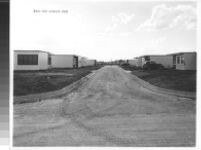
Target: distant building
(121,62)
(83,62)
(90,62)
(184,61)
(31,60)
(133,62)
(100,63)
(64,61)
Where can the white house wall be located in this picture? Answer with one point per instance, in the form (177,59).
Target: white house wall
(179,66)
(139,62)
(166,61)
(42,61)
(190,61)
(62,61)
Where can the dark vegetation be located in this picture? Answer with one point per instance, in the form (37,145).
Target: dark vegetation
(32,82)
(182,80)
(152,66)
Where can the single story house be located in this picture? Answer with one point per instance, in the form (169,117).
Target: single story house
(64,61)
(184,60)
(31,60)
(165,60)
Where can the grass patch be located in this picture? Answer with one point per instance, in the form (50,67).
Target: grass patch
(33,82)
(182,80)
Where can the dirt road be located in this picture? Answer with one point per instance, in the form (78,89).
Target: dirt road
(110,109)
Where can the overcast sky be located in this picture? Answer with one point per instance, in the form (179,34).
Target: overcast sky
(104,30)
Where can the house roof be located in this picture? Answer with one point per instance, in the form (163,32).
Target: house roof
(180,53)
(44,52)
(64,55)
(32,51)
(152,55)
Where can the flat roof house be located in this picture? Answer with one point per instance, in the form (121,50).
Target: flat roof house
(31,60)
(184,60)
(64,61)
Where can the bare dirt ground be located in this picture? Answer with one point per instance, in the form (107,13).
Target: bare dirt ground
(110,109)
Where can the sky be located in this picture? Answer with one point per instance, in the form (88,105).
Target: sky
(104,30)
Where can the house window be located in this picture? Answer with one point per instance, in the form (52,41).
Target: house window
(182,59)
(174,59)
(27,59)
(147,58)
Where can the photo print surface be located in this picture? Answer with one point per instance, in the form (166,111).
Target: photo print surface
(104,73)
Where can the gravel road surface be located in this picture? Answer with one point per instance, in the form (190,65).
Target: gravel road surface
(110,109)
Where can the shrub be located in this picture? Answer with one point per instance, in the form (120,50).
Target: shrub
(125,64)
(152,66)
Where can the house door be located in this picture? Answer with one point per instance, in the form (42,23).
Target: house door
(75,61)
(174,61)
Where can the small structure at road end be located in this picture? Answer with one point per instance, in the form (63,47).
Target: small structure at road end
(91,62)
(84,62)
(32,60)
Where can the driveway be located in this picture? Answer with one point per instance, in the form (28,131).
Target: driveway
(110,109)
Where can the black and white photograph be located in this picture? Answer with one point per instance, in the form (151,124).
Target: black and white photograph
(104,73)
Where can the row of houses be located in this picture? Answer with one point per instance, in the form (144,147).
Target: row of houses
(179,61)
(42,60)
